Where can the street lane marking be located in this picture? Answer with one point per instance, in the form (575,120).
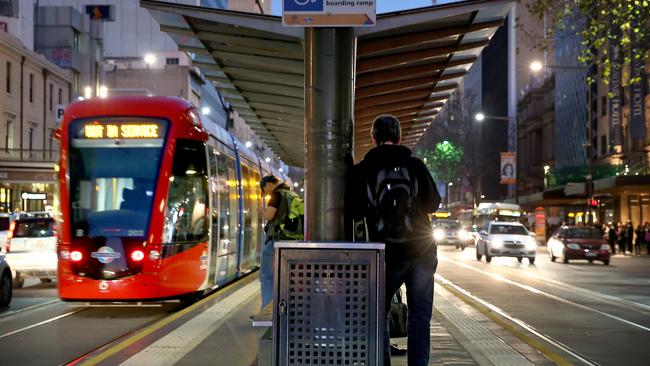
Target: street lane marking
(489,310)
(546,294)
(587,291)
(109,352)
(175,345)
(32,307)
(14,332)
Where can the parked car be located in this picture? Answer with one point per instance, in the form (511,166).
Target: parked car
(573,242)
(5,282)
(449,232)
(5,222)
(31,248)
(506,239)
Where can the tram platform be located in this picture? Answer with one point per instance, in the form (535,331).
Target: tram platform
(218,330)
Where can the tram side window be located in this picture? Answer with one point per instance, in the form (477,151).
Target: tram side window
(227,189)
(187,203)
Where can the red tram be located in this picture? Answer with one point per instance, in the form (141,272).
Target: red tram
(153,205)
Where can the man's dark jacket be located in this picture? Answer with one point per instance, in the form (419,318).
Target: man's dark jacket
(427,199)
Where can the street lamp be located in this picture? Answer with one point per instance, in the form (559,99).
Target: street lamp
(205,111)
(248,144)
(479,117)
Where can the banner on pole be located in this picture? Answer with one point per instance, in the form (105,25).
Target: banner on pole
(508,168)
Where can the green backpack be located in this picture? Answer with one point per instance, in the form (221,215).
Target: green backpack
(292,227)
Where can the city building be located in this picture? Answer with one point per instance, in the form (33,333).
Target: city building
(32,88)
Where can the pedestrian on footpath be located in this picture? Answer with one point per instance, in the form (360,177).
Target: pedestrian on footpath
(611,237)
(646,229)
(639,240)
(620,234)
(395,193)
(629,236)
(276,214)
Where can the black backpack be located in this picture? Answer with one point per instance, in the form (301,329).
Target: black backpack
(392,197)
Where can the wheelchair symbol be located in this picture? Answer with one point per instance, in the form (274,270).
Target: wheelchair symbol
(303,2)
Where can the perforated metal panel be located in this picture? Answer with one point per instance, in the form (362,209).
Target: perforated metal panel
(327,305)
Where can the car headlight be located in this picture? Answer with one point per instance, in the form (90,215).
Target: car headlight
(496,243)
(531,243)
(605,247)
(573,246)
(438,234)
(464,234)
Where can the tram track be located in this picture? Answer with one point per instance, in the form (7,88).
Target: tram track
(41,323)
(506,320)
(557,298)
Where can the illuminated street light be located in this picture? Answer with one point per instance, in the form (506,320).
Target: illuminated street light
(536,66)
(482,196)
(295,184)
(451,184)
(88,92)
(546,169)
(479,117)
(103,91)
(149,59)
(268,160)
(248,144)
(205,111)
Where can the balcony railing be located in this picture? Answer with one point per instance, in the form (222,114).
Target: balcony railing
(34,156)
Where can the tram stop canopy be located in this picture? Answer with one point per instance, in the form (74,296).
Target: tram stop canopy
(407,65)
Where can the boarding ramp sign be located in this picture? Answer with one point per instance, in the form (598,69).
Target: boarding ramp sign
(329,13)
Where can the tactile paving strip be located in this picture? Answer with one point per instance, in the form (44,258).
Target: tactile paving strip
(483,340)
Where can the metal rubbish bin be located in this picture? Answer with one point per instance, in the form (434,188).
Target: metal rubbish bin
(328,304)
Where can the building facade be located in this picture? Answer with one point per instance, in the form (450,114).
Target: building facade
(32,87)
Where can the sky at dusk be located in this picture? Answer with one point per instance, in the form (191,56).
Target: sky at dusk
(383,6)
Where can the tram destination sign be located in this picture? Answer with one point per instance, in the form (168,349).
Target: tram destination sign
(106,129)
(329,13)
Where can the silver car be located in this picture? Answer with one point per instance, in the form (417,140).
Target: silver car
(5,282)
(506,239)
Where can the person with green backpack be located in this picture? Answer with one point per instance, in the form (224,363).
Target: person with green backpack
(284,213)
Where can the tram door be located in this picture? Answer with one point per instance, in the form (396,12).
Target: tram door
(224,215)
(252,239)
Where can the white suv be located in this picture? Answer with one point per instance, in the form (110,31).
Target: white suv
(506,239)
(31,249)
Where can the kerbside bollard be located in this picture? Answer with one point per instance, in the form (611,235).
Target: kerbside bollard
(328,305)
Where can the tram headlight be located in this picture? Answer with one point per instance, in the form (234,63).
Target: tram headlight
(137,255)
(154,255)
(76,256)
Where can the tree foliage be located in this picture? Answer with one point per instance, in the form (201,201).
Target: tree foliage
(623,23)
(444,161)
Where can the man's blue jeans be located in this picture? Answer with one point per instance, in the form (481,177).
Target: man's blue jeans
(417,274)
(266,271)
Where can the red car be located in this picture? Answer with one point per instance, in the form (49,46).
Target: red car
(579,242)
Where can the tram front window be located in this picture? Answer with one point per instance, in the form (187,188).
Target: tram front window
(111,190)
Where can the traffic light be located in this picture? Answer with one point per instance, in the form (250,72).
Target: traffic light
(592,202)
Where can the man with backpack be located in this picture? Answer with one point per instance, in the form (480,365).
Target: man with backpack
(284,213)
(395,193)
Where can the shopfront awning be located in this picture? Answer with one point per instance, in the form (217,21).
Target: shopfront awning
(407,65)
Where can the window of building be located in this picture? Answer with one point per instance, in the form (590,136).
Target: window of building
(60,96)
(31,88)
(603,144)
(75,42)
(172,61)
(31,138)
(9,136)
(603,105)
(8,85)
(50,96)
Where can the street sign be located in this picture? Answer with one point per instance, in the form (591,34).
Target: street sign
(60,108)
(329,13)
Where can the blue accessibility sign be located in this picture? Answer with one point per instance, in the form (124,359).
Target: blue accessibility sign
(303,5)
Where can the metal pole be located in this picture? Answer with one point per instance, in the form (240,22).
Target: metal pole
(590,146)
(329,105)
